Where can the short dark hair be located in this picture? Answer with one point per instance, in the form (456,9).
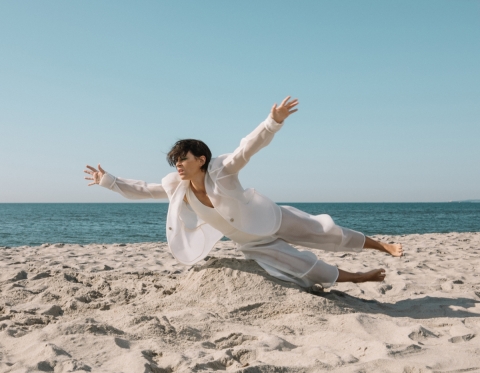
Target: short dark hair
(196,147)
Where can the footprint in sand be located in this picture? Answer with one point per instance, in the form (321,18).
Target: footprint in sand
(232,340)
(461,338)
(399,351)
(421,334)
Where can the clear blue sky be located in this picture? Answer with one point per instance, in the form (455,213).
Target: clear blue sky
(389,95)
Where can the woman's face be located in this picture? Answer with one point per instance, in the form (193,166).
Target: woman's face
(189,166)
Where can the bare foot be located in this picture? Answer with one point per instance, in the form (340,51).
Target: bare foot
(394,249)
(374,275)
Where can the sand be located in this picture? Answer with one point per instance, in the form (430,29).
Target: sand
(132,308)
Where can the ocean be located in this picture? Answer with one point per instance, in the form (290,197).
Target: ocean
(37,223)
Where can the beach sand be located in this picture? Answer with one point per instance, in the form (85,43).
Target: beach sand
(133,308)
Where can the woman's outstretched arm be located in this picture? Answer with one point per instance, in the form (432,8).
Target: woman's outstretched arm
(131,189)
(260,137)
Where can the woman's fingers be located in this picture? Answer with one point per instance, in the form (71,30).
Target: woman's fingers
(292,103)
(95,175)
(285,101)
(292,111)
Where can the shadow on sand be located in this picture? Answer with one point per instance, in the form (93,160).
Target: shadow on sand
(418,308)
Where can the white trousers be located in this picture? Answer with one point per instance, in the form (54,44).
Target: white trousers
(281,260)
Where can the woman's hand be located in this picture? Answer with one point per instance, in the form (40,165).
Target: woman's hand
(96,175)
(279,114)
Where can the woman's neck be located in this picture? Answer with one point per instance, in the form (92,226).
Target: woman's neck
(198,183)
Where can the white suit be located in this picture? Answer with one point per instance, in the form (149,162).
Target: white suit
(190,239)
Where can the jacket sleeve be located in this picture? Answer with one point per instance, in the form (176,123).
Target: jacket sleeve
(256,140)
(133,189)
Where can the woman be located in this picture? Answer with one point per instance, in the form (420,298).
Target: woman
(208,202)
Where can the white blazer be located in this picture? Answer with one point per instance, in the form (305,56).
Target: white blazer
(189,238)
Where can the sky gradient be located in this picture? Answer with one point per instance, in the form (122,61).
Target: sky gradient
(389,95)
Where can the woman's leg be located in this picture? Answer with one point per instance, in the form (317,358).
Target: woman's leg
(317,232)
(373,275)
(284,261)
(321,271)
(321,232)
(392,249)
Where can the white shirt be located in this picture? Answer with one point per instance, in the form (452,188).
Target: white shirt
(213,218)
(189,237)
